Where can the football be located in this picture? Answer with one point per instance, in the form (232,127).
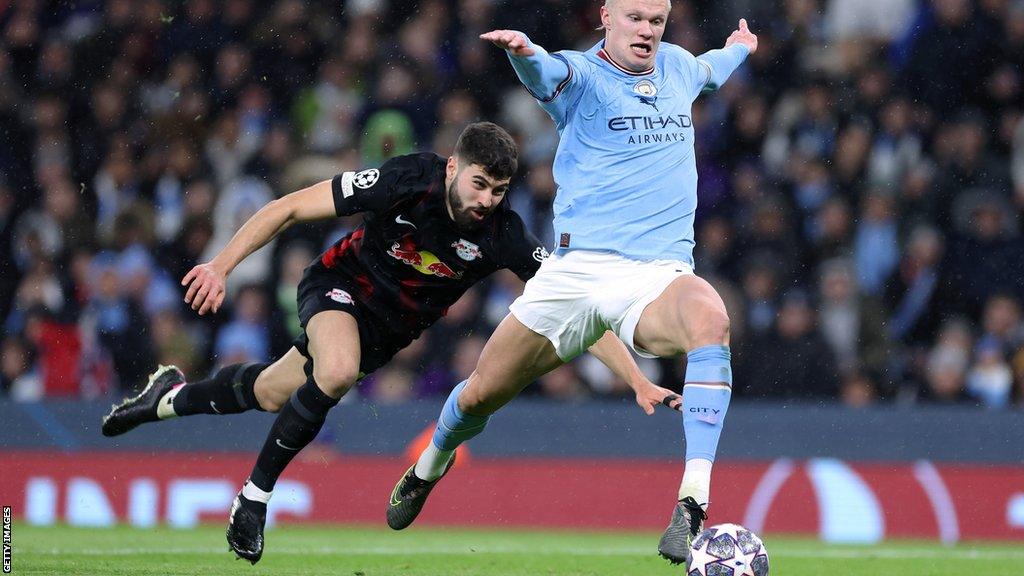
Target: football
(727,550)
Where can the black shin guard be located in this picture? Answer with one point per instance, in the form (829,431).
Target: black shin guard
(229,391)
(297,424)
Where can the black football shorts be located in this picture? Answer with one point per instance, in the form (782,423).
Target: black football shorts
(321,290)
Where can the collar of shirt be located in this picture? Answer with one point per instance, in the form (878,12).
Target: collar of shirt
(601,53)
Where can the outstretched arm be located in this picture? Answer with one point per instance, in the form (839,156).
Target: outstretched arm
(540,72)
(613,354)
(723,61)
(206,281)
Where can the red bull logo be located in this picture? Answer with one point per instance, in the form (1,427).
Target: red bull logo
(423,261)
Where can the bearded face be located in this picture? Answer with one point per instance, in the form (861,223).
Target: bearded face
(473,195)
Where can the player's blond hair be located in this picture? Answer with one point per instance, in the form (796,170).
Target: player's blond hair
(608,3)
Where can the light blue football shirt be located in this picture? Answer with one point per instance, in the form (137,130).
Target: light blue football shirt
(625,166)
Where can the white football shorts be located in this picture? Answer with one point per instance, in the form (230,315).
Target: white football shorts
(579,294)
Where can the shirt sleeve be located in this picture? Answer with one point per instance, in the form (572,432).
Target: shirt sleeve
(523,252)
(710,70)
(721,63)
(372,189)
(555,80)
(543,74)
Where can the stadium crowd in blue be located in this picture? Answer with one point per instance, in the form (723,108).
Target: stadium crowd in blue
(861,184)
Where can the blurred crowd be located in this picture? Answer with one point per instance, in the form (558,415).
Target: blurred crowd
(861,184)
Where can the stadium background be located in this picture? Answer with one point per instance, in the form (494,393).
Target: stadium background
(862,185)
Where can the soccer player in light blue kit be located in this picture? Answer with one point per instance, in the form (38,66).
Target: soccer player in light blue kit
(627,193)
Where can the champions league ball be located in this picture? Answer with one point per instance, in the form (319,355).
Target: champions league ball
(727,550)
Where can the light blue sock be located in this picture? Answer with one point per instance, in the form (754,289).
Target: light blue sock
(454,426)
(704,407)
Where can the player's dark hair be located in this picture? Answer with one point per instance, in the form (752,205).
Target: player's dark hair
(489,146)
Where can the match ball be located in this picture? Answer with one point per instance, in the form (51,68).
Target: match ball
(727,550)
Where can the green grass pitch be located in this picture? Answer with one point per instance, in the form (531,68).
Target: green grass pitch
(354,551)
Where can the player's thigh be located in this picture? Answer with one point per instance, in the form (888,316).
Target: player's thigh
(334,347)
(687,315)
(276,383)
(513,357)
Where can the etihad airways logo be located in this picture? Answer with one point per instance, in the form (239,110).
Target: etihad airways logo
(623,123)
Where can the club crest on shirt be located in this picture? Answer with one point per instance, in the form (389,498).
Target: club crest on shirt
(647,92)
(467,250)
(540,254)
(645,88)
(340,296)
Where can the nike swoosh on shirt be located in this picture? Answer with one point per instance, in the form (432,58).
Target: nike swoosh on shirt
(401,220)
(286,447)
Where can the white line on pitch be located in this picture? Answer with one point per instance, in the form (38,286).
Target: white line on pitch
(852,553)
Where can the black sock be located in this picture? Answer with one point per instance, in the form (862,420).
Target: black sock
(297,424)
(229,391)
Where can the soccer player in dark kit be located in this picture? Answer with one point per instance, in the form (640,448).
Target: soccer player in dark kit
(432,228)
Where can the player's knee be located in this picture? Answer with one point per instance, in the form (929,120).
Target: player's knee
(335,379)
(713,329)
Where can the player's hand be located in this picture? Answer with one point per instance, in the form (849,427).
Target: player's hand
(511,40)
(743,36)
(205,288)
(648,396)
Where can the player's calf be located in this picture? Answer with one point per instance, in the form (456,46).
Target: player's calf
(454,426)
(229,391)
(168,395)
(296,425)
(706,396)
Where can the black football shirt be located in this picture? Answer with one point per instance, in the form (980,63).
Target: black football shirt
(408,261)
